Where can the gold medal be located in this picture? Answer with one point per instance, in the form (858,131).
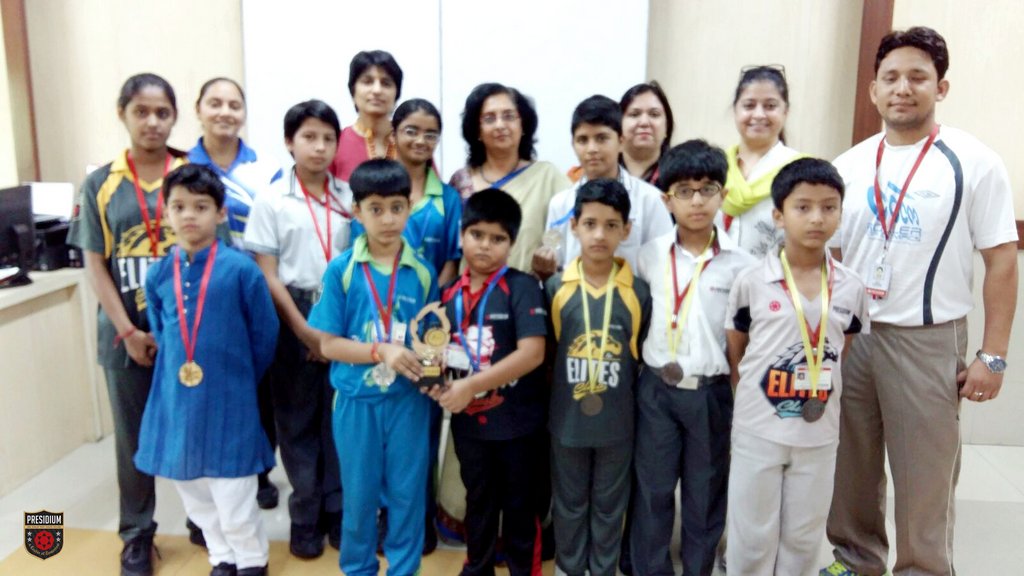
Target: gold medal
(190,374)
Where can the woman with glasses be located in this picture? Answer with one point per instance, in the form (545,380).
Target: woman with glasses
(760,107)
(375,84)
(499,124)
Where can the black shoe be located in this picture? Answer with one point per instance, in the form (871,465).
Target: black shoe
(306,542)
(547,542)
(224,569)
(382,530)
(195,533)
(331,524)
(136,556)
(254,571)
(267,494)
(429,538)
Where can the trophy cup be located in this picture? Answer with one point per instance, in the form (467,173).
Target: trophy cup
(431,348)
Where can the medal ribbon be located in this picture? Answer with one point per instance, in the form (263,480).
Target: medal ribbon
(383,314)
(480,307)
(816,355)
(609,294)
(152,228)
(324,244)
(684,299)
(190,344)
(887,232)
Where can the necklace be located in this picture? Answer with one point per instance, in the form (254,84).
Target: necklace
(483,174)
(371,146)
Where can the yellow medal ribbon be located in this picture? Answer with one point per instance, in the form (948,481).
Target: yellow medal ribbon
(609,294)
(815,356)
(679,323)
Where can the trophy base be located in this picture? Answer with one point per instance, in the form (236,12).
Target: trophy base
(432,376)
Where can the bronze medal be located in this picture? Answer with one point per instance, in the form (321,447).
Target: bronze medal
(813,409)
(591,405)
(190,374)
(672,373)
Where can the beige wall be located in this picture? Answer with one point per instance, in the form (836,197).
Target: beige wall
(696,50)
(8,156)
(82,51)
(985,63)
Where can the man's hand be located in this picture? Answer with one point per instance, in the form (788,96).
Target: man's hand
(978,383)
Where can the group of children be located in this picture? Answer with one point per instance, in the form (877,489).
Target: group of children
(649,330)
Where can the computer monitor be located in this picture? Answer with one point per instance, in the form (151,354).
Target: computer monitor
(17,234)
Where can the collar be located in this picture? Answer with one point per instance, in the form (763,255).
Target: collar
(624,178)
(199,155)
(433,187)
(199,256)
(120,163)
(623,278)
(361,252)
(773,265)
(295,190)
(724,241)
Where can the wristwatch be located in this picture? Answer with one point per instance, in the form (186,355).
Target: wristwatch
(995,364)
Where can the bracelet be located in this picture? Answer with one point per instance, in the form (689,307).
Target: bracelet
(124,335)
(374,355)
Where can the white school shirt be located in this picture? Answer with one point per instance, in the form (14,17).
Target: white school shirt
(647,213)
(959,200)
(280,225)
(766,404)
(704,328)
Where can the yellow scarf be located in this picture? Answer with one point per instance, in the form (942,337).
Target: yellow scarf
(743,195)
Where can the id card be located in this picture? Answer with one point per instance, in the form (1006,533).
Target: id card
(689,383)
(802,380)
(878,280)
(457,359)
(398,332)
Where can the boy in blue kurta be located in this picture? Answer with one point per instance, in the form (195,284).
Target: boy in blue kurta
(370,295)
(216,328)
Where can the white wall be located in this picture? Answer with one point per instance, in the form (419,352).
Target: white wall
(445,48)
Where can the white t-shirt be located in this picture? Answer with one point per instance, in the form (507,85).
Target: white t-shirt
(959,199)
(280,224)
(701,351)
(767,404)
(647,213)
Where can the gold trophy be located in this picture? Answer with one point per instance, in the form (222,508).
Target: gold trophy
(431,348)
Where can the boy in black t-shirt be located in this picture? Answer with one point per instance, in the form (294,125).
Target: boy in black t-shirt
(498,397)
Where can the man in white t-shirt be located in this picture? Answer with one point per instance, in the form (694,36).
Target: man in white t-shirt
(903,382)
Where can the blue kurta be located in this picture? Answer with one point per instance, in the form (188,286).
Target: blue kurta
(211,430)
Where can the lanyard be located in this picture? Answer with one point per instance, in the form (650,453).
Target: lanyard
(190,343)
(887,231)
(815,353)
(152,228)
(382,321)
(480,307)
(324,244)
(684,299)
(594,366)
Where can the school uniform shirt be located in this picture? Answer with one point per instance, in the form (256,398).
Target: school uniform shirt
(212,429)
(107,220)
(242,181)
(959,200)
(513,310)
(630,316)
(701,340)
(348,309)
(767,404)
(433,227)
(281,224)
(647,212)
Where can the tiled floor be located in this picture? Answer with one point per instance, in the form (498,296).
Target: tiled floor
(990,505)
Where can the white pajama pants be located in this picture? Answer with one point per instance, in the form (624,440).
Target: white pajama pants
(779,499)
(226,510)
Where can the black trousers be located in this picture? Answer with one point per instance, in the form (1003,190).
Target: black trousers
(128,388)
(503,479)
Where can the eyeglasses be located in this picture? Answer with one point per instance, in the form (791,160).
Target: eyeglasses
(779,68)
(506,117)
(412,133)
(687,193)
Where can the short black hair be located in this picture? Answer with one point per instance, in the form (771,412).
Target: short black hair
(692,160)
(197,179)
(654,88)
(471,122)
(603,191)
(920,37)
(132,86)
(303,111)
(599,111)
(367,59)
(381,177)
(805,171)
(493,206)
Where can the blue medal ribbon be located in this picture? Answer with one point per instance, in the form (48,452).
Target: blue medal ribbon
(480,307)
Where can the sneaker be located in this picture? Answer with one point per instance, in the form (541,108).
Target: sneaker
(253,571)
(136,556)
(195,533)
(267,494)
(382,530)
(224,569)
(306,542)
(837,568)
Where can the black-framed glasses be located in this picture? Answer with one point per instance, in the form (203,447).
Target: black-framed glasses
(682,192)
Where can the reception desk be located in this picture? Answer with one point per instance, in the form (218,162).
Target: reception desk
(52,397)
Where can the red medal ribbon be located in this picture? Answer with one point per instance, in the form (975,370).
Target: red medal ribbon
(681,296)
(887,231)
(385,314)
(472,299)
(152,228)
(325,245)
(190,344)
(815,333)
